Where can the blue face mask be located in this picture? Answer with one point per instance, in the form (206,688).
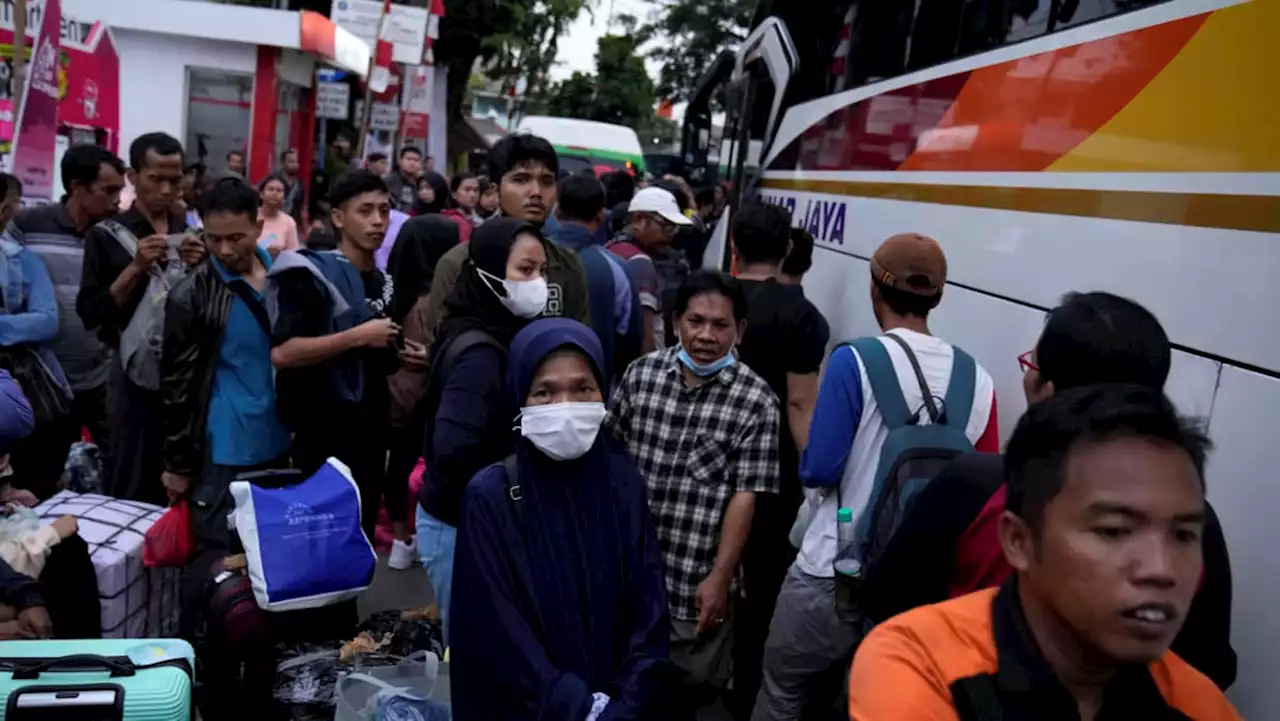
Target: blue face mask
(710,369)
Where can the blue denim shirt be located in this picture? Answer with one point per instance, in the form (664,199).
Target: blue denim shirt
(30,313)
(243,427)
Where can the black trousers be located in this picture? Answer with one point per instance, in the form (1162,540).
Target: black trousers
(363,450)
(71,591)
(405,450)
(136,458)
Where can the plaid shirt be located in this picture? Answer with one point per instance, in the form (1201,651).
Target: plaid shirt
(695,447)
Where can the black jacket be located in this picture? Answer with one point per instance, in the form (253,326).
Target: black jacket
(195,317)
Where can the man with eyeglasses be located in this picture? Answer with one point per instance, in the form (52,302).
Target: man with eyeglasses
(654,219)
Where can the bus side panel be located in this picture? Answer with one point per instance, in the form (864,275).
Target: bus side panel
(1243,487)
(1192,278)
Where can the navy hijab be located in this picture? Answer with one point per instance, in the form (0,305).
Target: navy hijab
(565,597)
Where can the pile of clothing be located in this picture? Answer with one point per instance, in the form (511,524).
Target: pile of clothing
(309,675)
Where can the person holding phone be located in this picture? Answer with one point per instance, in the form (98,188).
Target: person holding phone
(113,283)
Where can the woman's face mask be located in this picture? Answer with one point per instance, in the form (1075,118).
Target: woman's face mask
(562,431)
(524,298)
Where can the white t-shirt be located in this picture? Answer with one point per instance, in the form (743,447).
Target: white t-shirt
(824,458)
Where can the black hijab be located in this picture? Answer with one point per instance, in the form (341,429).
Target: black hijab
(441,188)
(420,244)
(474,304)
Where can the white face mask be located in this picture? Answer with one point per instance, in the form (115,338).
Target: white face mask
(563,431)
(525,298)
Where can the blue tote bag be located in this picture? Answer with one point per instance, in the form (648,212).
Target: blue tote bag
(303,541)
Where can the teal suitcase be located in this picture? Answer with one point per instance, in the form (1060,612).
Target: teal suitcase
(115,679)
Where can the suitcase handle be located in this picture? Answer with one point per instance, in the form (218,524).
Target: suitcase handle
(118,666)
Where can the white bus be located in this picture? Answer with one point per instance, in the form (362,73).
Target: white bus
(1053,146)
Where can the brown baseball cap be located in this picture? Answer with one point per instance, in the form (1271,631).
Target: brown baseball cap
(910,262)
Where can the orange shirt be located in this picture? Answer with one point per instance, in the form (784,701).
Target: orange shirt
(906,667)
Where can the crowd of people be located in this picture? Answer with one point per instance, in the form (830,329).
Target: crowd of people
(639,478)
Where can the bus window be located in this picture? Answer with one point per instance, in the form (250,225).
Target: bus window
(882,39)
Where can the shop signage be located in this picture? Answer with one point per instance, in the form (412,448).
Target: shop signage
(405,28)
(332,100)
(35,142)
(385,116)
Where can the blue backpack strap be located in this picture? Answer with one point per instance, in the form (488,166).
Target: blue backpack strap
(960,389)
(884,382)
(600,304)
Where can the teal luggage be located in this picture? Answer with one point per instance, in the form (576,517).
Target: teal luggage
(114,679)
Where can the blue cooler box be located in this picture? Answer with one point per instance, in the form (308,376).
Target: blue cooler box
(102,680)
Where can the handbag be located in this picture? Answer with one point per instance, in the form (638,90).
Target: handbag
(49,401)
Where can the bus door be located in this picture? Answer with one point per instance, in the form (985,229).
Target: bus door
(763,67)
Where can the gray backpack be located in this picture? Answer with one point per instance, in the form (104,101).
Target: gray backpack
(142,340)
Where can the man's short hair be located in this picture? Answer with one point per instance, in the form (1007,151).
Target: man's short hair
(1036,457)
(376,158)
(356,182)
(704,196)
(619,187)
(410,150)
(161,144)
(81,165)
(800,259)
(761,233)
(1102,338)
(458,179)
(580,198)
(233,153)
(287,152)
(229,195)
(518,150)
(10,184)
(701,282)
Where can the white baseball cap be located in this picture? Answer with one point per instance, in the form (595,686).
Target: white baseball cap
(660,202)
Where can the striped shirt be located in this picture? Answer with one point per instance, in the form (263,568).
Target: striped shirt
(49,232)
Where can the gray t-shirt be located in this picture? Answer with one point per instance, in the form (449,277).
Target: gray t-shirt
(49,232)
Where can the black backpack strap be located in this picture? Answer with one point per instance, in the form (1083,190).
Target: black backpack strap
(927,394)
(514,493)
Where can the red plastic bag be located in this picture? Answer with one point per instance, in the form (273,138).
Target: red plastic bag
(170,541)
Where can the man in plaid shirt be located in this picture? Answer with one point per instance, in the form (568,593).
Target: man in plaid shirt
(703,429)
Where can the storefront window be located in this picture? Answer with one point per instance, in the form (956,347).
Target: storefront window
(218,116)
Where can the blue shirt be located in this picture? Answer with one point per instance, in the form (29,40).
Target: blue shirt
(243,428)
(577,238)
(835,421)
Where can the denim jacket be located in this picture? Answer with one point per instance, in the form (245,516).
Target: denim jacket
(30,313)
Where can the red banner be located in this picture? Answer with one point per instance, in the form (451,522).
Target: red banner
(35,141)
(88,80)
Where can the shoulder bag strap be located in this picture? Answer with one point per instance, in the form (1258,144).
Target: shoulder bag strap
(122,235)
(924,385)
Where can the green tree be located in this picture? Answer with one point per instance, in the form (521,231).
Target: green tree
(689,34)
(619,92)
(513,39)
(573,97)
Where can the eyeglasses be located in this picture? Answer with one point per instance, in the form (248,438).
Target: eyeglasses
(1026,364)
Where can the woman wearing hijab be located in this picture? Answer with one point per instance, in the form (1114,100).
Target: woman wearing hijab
(433,193)
(501,288)
(559,597)
(422,241)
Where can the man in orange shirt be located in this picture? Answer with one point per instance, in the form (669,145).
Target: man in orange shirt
(1102,527)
